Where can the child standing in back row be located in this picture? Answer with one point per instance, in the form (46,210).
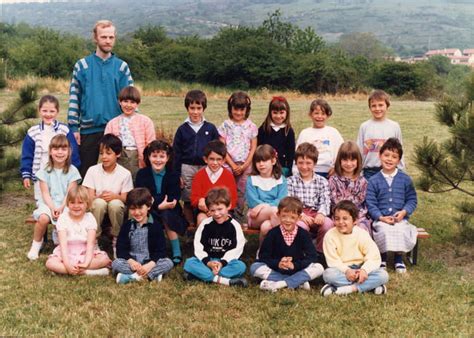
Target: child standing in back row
(34,152)
(134,130)
(374,132)
(276,131)
(189,142)
(326,139)
(239,134)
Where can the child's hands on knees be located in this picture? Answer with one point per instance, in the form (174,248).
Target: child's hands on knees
(308,220)
(387,219)
(352,275)
(215,266)
(399,216)
(286,263)
(362,276)
(134,265)
(144,269)
(27,183)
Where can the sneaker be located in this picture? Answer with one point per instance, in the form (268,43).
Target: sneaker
(33,254)
(97,272)
(400,268)
(189,277)
(327,290)
(159,278)
(177,260)
(305,286)
(123,278)
(383,265)
(242,282)
(268,285)
(380,290)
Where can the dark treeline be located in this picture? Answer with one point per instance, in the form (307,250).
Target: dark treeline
(276,55)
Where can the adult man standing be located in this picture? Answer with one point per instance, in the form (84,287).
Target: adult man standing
(93,95)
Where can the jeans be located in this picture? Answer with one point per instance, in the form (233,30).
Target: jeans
(263,271)
(337,278)
(235,268)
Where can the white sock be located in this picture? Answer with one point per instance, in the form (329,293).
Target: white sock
(97,272)
(344,290)
(137,277)
(221,280)
(34,250)
(281,284)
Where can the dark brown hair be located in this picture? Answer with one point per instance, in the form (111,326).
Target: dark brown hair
(348,206)
(266,152)
(215,146)
(239,100)
(217,196)
(323,104)
(48,98)
(130,93)
(392,144)
(157,146)
(278,103)
(195,96)
(138,197)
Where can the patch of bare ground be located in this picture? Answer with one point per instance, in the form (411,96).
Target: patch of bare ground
(454,256)
(15,200)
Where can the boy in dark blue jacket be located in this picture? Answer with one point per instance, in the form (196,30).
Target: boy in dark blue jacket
(141,246)
(189,142)
(287,257)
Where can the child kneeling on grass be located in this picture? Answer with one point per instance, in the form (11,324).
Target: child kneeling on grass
(218,245)
(141,245)
(287,256)
(352,256)
(76,253)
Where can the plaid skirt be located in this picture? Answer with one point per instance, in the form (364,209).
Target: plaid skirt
(398,237)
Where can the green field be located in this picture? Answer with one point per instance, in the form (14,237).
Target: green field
(434,298)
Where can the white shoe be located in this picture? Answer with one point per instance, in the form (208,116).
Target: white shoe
(380,290)
(327,290)
(97,272)
(305,286)
(33,254)
(268,286)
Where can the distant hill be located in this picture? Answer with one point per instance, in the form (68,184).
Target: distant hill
(408,26)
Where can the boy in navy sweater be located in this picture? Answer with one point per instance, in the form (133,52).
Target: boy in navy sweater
(189,142)
(287,257)
(218,245)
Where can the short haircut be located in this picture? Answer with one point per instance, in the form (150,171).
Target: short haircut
(59,141)
(217,196)
(266,152)
(278,103)
(195,96)
(308,150)
(130,93)
(323,104)
(290,204)
(215,146)
(103,24)
(79,192)
(157,146)
(138,197)
(49,98)
(379,95)
(348,206)
(392,144)
(110,141)
(349,150)
(239,100)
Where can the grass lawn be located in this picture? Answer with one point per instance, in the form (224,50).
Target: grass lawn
(433,298)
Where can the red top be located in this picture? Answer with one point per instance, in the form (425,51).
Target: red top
(202,184)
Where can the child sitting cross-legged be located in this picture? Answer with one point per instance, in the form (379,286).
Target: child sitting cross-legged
(141,245)
(211,176)
(287,257)
(218,245)
(352,256)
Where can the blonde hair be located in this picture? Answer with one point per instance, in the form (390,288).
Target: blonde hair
(79,192)
(103,24)
(59,141)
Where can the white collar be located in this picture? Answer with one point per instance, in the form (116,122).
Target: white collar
(392,175)
(214,176)
(188,120)
(277,127)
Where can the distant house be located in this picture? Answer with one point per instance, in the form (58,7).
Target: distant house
(448,52)
(468,52)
